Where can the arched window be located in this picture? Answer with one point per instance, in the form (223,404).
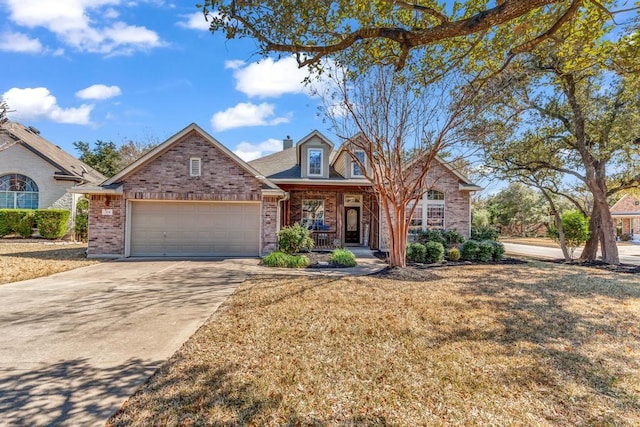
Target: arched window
(18,192)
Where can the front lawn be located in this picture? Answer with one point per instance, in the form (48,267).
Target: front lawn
(22,259)
(533,344)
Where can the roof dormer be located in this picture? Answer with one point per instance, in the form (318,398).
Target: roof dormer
(313,153)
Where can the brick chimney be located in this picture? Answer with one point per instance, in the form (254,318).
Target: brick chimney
(287,143)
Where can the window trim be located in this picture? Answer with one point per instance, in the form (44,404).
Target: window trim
(313,150)
(14,195)
(354,164)
(425,204)
(192,162)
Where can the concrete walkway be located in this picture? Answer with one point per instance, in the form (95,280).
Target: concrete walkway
(75,345)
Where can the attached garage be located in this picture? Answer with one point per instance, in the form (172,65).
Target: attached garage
(175,229)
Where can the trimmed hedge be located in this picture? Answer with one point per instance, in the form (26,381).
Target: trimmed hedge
(19,221)
(484,251)
(416,252)
(435,252)
(293,238)
(52,223)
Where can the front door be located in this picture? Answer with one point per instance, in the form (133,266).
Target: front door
(352,225)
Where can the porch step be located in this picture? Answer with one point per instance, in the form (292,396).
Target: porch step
(361,251)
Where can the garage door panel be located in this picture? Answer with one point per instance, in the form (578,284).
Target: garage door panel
(194,229)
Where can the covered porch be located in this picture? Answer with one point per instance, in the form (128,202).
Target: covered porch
(336,216)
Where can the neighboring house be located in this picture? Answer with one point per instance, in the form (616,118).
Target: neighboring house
(191,196)
(626,216)
(34,173)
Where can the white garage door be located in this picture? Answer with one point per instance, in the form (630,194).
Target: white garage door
(194,229)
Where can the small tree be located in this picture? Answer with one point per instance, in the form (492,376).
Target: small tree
(401,128)
(576,230)
(103,157)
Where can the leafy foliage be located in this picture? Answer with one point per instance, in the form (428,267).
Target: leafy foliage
(52,223)
(434,252)
(283,260)
(470,250)
(292,239)
(19,221)
(103,157)
(81,226)
(416,252)
(342,258)
(498,250)
(453,254)
(485,251)
(425,236)
(484,233)
(576,230)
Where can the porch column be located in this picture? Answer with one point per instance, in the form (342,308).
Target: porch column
(339,216)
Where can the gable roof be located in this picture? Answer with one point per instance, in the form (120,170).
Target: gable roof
(157,151)
(620,207)
(69,168)
(307,138)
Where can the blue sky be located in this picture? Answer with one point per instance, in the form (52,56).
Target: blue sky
(83,70)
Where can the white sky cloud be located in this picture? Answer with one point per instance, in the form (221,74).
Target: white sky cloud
(99,91)
(268,78)
(195,21)
(19,42)
(247,114)
(248,151)
(81,24)
(39,104)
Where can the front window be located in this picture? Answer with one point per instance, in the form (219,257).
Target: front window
(415,224)
(355,167)
(315,162)
(429,213)
(313,214)
(18,192)
(435,210)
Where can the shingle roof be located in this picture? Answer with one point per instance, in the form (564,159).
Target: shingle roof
(68,166)
(283,165)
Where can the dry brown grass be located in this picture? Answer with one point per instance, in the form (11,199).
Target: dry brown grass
(22,260)
(535,344)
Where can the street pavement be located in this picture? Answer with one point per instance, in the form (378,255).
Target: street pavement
(629,254)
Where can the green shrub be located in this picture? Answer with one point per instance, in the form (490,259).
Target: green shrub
(425,236)
(20,221)
(52,223)
(484,233)
(297,261)
(81,226)
(434,252)
(416,252)
(293,238)
(498,250)
(454,254)
(343,258)
(452,237)
(485,251)
(576,230)
(276,259)
(282,260)
(469,250)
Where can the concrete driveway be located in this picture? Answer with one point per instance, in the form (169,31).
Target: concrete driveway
(75,345)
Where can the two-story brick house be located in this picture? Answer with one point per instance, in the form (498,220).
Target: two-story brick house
(191,196)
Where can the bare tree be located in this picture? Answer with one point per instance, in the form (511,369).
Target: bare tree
(401,131)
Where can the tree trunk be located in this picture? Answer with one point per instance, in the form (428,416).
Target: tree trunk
(397,232)
(602,233)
